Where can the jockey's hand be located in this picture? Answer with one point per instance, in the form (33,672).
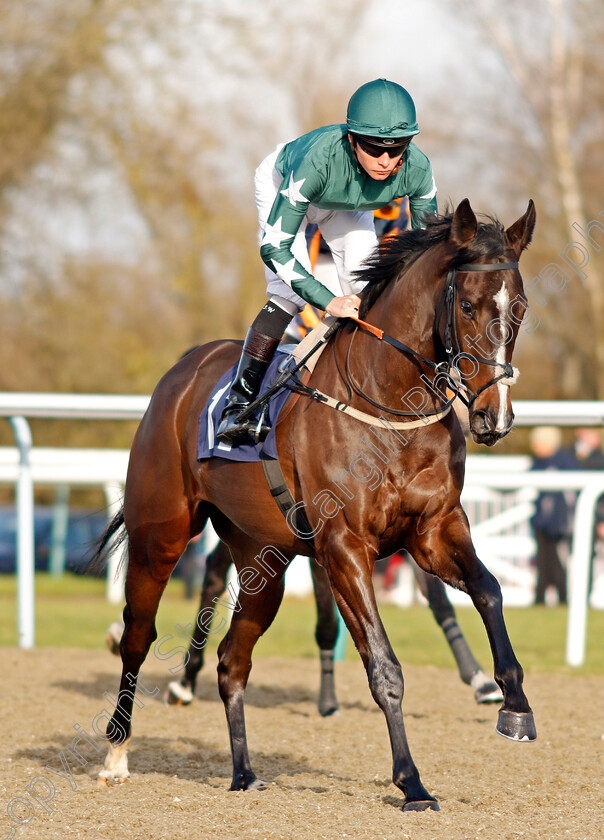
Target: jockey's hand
(346,306)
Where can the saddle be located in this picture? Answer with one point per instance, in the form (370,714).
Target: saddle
(271,400)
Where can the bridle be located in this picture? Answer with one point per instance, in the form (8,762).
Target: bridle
(451,345)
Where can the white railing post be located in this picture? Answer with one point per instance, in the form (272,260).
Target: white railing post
(578,572)
(25,535)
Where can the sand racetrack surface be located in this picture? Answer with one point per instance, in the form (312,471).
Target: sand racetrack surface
(331,777)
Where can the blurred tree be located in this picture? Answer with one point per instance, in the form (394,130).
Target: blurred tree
(542,94)
(40,61)
(128,135)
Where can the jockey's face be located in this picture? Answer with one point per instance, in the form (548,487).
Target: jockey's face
(378,168)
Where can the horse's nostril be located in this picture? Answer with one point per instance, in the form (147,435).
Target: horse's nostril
(482,421)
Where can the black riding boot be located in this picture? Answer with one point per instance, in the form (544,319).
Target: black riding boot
(258,351)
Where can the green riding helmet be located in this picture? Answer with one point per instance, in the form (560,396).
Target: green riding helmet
(381,109)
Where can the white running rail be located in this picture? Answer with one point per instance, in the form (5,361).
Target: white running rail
(486,474)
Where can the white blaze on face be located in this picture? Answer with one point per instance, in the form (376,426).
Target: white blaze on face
(502,299)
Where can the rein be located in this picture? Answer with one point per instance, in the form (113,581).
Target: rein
(451,345)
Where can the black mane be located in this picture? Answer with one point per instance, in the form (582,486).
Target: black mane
(395,253)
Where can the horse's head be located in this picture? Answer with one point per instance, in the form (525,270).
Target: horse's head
(482,312)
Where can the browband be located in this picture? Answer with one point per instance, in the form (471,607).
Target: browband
(486,267)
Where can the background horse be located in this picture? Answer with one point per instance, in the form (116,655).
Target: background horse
(446,290)
(218,563)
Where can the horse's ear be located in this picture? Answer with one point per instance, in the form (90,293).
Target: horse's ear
(521,232)
(464,224)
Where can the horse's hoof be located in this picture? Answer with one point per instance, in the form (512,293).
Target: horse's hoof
(421,805)
(488,693)
(178,695)
(108,781)
(518,726)
(250,782)
(328,709)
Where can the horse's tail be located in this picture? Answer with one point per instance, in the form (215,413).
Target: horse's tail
(116,534)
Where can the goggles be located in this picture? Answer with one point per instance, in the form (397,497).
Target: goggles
(375,147)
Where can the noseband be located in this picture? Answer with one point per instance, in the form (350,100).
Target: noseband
(451,344)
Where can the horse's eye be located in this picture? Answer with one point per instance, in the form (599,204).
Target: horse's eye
(466,308)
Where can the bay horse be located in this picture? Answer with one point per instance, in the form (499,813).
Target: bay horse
(454,293)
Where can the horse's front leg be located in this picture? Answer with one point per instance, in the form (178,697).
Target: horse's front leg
(349,563)
(443,546)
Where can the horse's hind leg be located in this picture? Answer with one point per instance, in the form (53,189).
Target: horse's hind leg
(253,615)
(433,590)
(214,584)
(445,547)
(326,634)
(151,558)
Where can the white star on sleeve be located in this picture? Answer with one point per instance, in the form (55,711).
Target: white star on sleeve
(293,191)
(286,272)
(432,192)
(274,235)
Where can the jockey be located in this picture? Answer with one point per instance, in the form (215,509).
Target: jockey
(335,177)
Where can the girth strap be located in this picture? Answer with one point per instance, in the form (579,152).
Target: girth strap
(282,495)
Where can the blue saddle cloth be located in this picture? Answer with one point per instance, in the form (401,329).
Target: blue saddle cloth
(209,447)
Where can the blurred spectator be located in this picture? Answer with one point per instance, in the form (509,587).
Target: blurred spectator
(588,448)
(551,520)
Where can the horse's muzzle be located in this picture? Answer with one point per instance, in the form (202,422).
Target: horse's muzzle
(483,426)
